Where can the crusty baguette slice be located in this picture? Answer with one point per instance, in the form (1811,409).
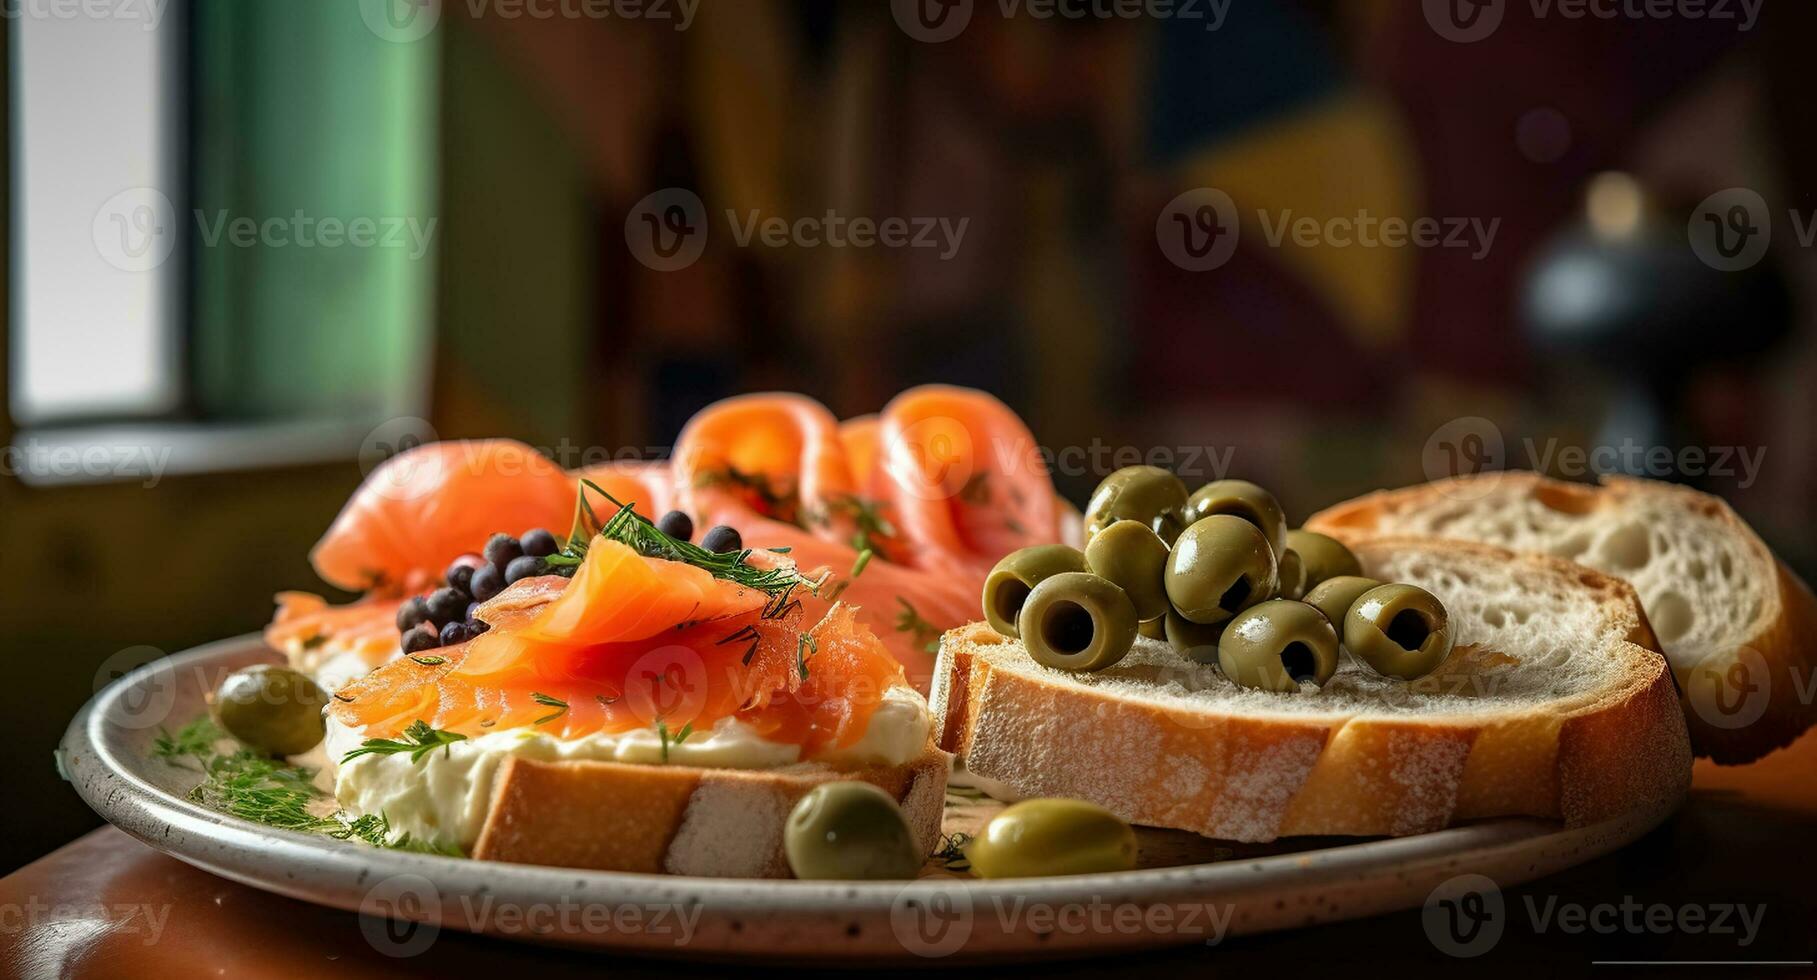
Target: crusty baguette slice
(1551,706)
(615,816)
(1739,627)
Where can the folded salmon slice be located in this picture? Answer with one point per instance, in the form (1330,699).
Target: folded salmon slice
(932,492)
(637,642)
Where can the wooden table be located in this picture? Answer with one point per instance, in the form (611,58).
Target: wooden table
(108,906)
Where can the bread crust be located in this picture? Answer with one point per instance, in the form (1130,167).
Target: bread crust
(1786,646)
(614,816)
(1254,777)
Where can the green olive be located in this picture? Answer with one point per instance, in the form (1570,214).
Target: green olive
(1292,576)
(1131,555)
(1036,838)
(1220,566)
(1277,645)
(1400,630)
(271,709)
(1335,596)
(1148,494)
(1196,642)
(1244,499)
(1077,621)
(1154,629)
(1008,585)
(1324,557)
(849,831)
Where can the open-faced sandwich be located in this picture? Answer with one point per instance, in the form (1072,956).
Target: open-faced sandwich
(1198,666)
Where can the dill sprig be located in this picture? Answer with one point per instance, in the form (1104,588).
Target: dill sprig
(662,733)
(910,621)
(549,701)
(267,791)
(805,647)
(870,527)
(419,740)
(639,533)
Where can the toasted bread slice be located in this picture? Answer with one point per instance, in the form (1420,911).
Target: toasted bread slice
(1739,628)
(1551,706)
(616,816)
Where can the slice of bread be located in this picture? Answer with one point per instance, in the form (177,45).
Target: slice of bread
(1739,627)
(615,816)
(1552,705)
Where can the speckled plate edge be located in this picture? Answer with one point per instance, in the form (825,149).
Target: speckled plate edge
(105,756)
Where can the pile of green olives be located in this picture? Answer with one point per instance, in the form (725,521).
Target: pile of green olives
(849,831)
(1218,574)
(271,709)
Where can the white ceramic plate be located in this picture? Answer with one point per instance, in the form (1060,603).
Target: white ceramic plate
(408,897)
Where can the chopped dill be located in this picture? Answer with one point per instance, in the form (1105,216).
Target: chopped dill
(952,851)
(864,558)
(268,791)
(638,532)
(662,733)
(419,740)
(429,661)
(549,701)
(805,647)
(910,621)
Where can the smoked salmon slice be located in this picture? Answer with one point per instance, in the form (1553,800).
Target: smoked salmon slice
(426,506)
(656,643)
(907,510)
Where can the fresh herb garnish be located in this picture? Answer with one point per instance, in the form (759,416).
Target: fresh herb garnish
(952,851)
(639,533)
(910,621)
(662,733)
(805,647)
(268,791)
(419,740)
(429,661)
(871,528)
(756,488)
(549,701)
(864,558)
(744,633)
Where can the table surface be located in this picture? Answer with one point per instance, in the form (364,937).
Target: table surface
(1736,853)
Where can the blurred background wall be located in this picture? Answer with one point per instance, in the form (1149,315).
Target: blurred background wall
(1570,158)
